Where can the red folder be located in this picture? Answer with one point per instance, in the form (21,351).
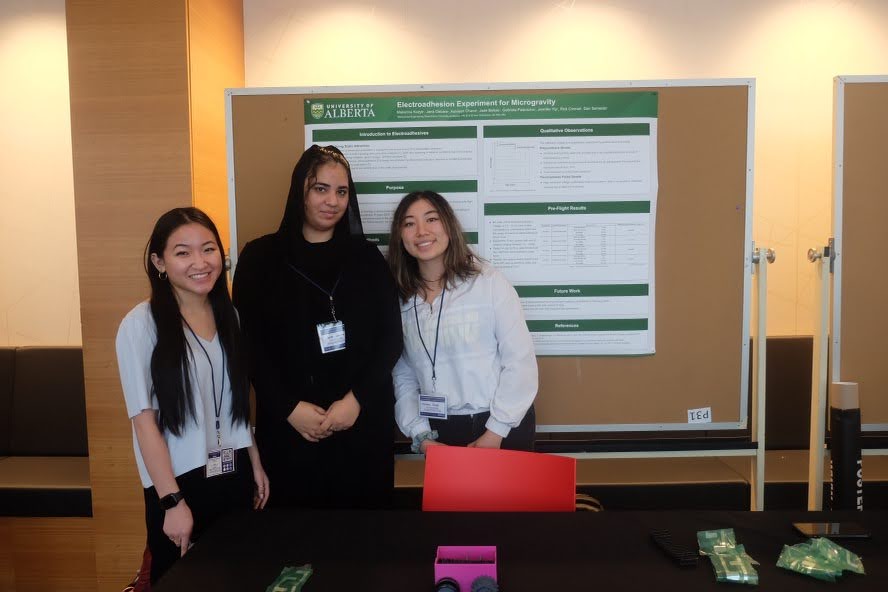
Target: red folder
(490,480)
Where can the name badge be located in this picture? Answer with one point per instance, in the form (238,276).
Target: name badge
(220,462)
(331,336)
(433,406)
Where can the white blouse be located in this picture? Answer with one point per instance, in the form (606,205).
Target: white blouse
(136,338)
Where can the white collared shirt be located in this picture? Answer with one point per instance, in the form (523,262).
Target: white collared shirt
(485,359)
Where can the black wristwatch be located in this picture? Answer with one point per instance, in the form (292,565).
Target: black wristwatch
(168,502)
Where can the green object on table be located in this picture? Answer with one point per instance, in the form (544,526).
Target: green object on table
(729,560)
(716,541)
(291,579)
(734,567)
(799,558)
(837,555)
(820,558)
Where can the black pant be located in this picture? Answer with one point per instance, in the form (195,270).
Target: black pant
(460,430)
(207,498)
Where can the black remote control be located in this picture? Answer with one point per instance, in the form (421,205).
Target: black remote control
(683,556)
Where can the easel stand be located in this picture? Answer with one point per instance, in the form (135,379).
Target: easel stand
(761,258)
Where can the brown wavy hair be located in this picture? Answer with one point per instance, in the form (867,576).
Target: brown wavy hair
(460,263)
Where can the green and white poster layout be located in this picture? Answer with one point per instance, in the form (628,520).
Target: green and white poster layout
(557,191)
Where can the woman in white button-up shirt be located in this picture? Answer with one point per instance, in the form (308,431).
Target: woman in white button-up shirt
(468,373)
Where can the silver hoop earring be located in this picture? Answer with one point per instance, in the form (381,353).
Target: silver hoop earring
(162,275)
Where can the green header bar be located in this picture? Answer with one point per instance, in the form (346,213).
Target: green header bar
(404,187)
(588,325)
(394,133)
(545,105)
(567,130)
(382,240)
(582,291)
(556,208)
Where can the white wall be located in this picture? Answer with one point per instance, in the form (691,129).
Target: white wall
(793,48)
(39,298)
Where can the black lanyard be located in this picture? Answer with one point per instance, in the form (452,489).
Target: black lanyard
(432,357)
(217,407)
(328,294)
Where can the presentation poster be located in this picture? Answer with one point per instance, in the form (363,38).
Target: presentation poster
(558,191)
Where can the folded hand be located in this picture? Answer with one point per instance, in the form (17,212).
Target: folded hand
(306,418)
(342,414)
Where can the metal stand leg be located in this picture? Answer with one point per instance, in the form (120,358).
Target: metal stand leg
(818,384)
(761,258)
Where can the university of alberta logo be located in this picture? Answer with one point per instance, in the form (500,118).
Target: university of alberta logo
(317,110)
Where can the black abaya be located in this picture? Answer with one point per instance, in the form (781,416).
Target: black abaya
(279,310)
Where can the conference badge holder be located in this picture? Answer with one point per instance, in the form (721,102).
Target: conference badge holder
(220,461)
(331,336)
(433,406)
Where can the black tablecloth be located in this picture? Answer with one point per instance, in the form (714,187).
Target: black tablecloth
(360,550)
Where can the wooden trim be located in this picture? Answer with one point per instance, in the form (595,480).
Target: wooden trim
(130,134)
(47,554)
(216,62)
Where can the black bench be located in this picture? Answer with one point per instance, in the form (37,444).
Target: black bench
(44,454)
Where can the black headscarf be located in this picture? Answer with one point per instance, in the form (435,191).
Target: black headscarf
(307,166)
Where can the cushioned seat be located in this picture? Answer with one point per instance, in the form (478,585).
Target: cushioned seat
(7,375)
(45,486)
(44,464)
(48,409)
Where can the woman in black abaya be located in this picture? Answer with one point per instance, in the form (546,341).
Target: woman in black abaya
(319,310)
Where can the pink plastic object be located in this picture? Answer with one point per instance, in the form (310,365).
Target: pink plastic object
(464,564)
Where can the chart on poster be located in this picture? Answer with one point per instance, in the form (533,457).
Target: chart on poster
(557,191)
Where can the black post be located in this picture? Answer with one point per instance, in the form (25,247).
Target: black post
(846,462)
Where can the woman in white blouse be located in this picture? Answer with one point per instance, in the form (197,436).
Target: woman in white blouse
(185,382)
(468,373)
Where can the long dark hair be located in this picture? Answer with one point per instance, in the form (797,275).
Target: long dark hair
(169,361)
(459,260)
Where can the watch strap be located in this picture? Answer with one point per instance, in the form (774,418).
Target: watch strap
(171,500)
